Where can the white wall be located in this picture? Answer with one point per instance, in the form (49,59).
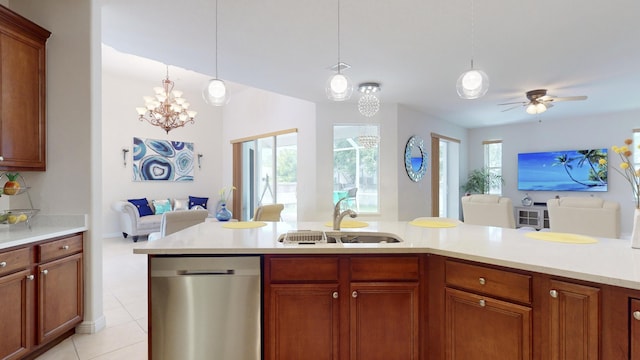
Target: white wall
(415,197)
(121,94)
(596,131)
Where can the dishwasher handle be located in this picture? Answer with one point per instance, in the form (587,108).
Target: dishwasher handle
(206,272)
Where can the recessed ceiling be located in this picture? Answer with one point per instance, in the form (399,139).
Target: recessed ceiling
(416,49)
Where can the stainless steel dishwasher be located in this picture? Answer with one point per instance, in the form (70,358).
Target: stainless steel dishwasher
(205,308)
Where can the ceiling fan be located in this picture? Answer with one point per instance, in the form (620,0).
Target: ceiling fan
(539,101)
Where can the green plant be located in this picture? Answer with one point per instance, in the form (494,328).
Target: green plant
(480,181)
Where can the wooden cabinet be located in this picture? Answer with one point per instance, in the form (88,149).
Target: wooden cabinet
(342,307)
(487,313)
(535,216)
(41,294)
(634,328)
(573,321)
(22,93)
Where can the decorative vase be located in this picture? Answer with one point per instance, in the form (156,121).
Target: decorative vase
(223,214)
(635,233)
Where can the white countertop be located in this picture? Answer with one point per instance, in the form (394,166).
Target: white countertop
(43,227)
(609,261)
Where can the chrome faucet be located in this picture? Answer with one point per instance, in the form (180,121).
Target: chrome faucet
(338,216)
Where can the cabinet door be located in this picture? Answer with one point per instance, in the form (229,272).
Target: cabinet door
(384,321)
(60,297)
(22,102)
(574,321)
(16,311)
(480,328)
(634,335)
(303,322)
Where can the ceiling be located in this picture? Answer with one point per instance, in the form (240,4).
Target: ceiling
(416,49)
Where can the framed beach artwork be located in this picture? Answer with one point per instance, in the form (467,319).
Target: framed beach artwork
(567,170)
(162,160)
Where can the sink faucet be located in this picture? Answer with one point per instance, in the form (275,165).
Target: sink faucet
(338,216)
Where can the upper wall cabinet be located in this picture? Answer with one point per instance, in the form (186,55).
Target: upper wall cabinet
(22,93)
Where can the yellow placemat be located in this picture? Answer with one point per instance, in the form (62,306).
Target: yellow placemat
(349,224)
(433,223)
(561,237)
(244,224)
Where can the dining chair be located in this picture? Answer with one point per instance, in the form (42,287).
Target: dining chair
(585,216)
(489,210)
(271,212)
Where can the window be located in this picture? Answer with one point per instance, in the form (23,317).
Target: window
(493,164)
(356,166)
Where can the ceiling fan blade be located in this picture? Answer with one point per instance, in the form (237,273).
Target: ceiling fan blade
(568,98)
(511,108)
(516,102)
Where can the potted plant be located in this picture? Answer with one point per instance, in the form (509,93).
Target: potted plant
(480,181)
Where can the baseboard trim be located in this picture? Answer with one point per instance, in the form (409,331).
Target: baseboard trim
(91,327)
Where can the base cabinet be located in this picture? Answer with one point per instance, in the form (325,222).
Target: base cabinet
(41,294)
(342,307)
(16,301)
(574,321)
(634,328)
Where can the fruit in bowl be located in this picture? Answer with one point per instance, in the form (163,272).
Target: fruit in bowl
(12,186)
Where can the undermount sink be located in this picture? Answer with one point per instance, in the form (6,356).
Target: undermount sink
(333,237)
(362,237)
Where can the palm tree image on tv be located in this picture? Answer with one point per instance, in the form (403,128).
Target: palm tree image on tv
(573,170)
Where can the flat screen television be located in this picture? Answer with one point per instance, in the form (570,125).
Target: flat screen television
(569,170)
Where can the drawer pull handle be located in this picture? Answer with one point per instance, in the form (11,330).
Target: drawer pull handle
(354,294)
(30,277)
(65,247)
(1,158)
(482,303)
(553,293)
(45,272)
(3,264)
(636,315)
(482,281)
(335,294)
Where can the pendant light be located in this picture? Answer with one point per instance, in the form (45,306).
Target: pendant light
(473,83)
(339,87)
(215,91)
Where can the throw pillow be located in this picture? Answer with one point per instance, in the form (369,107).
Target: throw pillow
(202,201)
(180,204)
(142,205)
(162,206)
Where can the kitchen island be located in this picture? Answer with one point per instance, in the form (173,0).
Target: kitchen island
(536,298)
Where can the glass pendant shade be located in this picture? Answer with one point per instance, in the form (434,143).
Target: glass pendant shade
(215,93)
(339,87)
(472,84)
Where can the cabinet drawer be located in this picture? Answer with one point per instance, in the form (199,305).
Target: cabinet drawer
(385,268)
(60,248)
(324,269)
(14,260)
(499,283)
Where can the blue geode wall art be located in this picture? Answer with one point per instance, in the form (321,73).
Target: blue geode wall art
(162,160)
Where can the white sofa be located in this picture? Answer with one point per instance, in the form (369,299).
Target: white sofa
(131,223)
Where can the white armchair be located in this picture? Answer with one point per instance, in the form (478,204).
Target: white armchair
(585,216)
(489,210)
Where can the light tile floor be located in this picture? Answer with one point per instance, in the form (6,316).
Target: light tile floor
(125,310)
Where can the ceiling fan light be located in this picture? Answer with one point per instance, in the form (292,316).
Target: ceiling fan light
(339,87)
(536,108)
(215,93)
(472,84)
